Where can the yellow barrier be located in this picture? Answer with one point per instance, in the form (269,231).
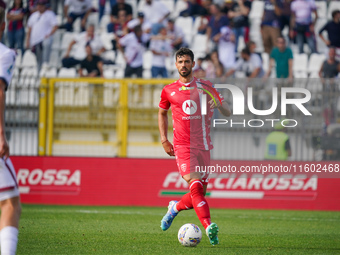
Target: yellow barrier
(54,116)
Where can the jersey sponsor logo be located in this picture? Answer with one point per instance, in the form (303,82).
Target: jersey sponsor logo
(172,93)
(201,204)
(189,107)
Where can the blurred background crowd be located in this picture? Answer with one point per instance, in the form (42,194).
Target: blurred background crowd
(138,38)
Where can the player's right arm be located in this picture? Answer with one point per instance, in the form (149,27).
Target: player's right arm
(163,130)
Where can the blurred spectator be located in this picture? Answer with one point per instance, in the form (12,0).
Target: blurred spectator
(226,47)
(80,41)
(120,5)
(328,71)
(285,14)
(251,45)
(282,56)
(74,9)
(217,21)
(302,23)
(248,63)
(42,24)
(2,4)
(161,49)
(330,67)
(16,29)
(205,17)
(332,28)
(140,20)
(93,64)
(133,52)
(119,29)
(270,26)
(176,35)
(194,9)
(101,5)
(238,12)
(214,67)
(156,13)
(198,70)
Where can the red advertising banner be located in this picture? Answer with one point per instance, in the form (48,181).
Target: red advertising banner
(154,182)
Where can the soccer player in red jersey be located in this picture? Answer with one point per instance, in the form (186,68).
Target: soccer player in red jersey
(192,142)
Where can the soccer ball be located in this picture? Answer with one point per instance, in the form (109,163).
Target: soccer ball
(189,235)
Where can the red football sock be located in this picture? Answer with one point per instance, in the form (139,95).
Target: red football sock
(200,204)
(185,203)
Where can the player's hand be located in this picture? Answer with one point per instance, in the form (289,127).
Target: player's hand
(4,148)
(213,105)
(168,148)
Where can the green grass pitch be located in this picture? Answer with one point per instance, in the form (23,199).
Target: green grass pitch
(136,230)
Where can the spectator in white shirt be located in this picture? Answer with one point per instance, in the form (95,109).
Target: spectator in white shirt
(80,41)
(302,23)
(161,49)
(42,24)
(74,9)
(133,52)
(176,35)
(250,64)
(156,13)
(225,40)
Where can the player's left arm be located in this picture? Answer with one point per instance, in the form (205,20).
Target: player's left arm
(4,148)
(219,103)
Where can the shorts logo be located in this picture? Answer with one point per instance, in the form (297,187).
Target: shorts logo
(201,204)
(172,93)
(189,107)
(184,167)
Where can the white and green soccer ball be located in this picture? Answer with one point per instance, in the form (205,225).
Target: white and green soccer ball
(189,235)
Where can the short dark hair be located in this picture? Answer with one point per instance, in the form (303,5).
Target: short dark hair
(246,51)
(335,12)
(184,51)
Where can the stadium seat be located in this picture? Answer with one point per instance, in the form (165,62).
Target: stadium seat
(67,39)
(321,9)
(186,23)
(141,5)
(300,62)
(119,73)
(257,8)
(180,6)
(147,59)
(199,43)
(49,73)
(147,74)
(67,73)
(109,55)
(315,62)
(265,61)
(108,74)
(120,61)
(106,19)
(93,19)
(107,40)
(29,59)
(333,5)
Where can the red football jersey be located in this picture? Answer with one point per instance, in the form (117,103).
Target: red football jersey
(191,128)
